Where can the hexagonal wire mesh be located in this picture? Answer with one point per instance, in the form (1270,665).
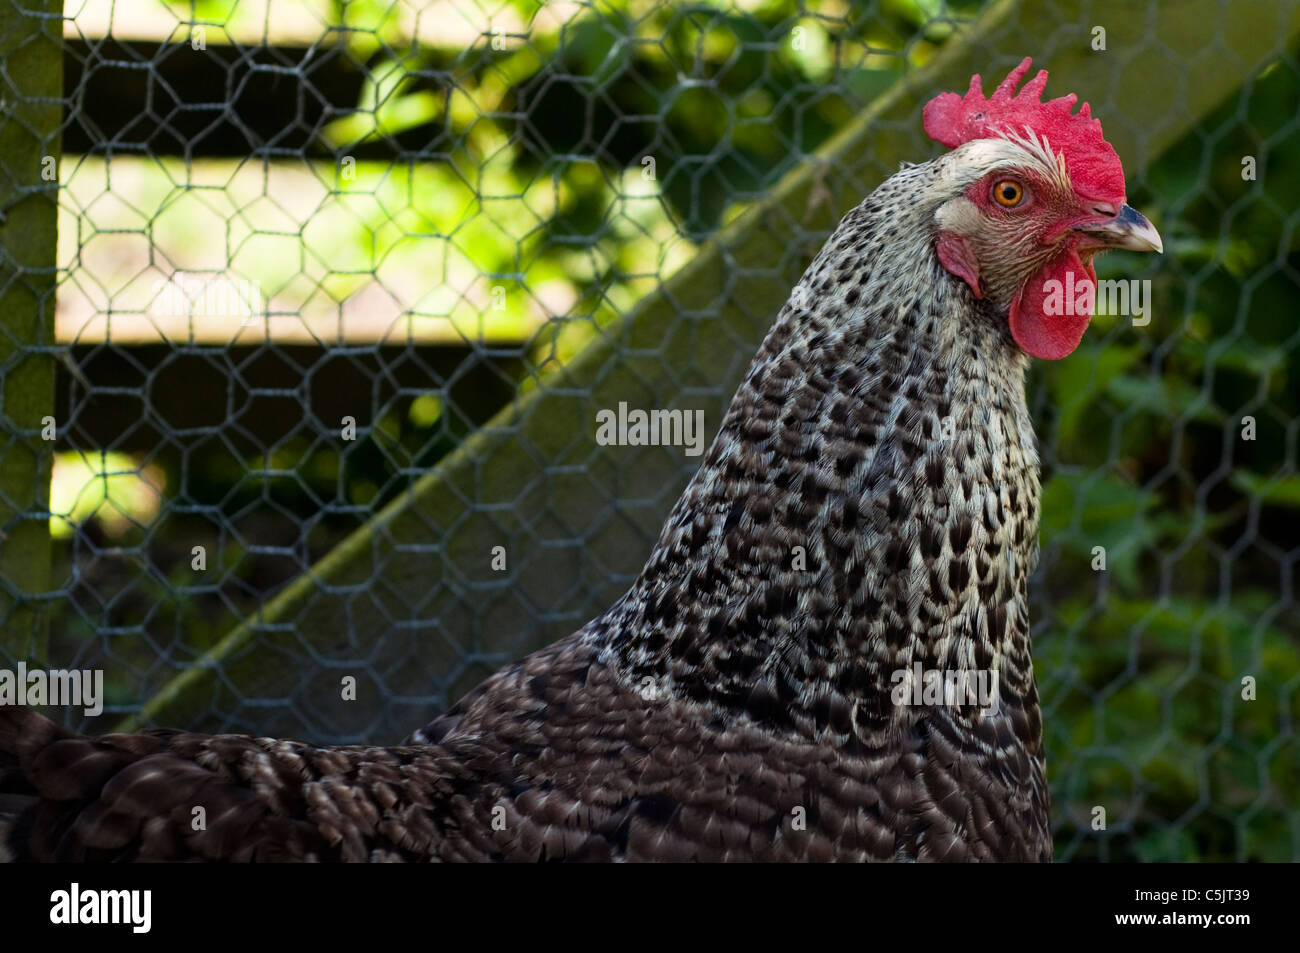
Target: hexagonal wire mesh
(315,257)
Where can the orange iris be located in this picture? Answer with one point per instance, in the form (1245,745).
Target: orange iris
(1008,193)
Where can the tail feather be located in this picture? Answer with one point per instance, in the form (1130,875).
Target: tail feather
(170,795)
(124,797)
(22,733)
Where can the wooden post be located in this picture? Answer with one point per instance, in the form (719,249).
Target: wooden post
(30,114)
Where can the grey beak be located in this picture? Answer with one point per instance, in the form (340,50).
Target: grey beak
(1129,229)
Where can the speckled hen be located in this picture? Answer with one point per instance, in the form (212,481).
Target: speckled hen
(867,515)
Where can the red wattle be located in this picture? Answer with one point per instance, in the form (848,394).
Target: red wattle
(1052,310)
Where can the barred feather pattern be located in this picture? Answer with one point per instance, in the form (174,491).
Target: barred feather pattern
(870,503)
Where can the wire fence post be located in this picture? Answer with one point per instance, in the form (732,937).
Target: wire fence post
(31,73)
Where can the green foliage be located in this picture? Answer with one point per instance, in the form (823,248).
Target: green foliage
(1145,716)
(1140,666)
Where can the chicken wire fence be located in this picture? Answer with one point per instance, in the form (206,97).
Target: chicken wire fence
(340,288)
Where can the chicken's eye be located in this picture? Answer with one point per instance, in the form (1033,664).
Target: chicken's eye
(1008,193)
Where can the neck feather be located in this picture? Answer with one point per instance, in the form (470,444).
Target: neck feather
(870,502)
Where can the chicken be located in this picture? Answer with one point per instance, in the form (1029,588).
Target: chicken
(861,531)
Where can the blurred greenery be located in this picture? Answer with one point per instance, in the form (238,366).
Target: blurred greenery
(1141,666)
(536,181)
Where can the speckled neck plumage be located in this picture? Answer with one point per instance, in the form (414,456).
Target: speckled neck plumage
(916,534)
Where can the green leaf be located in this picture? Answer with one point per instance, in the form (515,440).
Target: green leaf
(1076,384)
(1082,511)
(1166,396)
(1271,491)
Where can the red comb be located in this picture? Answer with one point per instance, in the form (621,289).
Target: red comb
(1090,160)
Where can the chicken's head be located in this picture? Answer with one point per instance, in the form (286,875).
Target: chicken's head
(1036,193)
